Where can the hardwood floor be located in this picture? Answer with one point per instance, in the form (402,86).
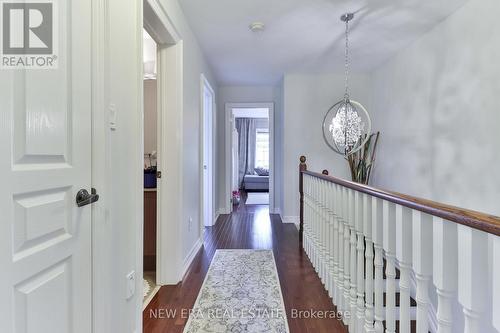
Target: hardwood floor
(249,227)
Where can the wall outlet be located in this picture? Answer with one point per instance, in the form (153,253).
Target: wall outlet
(130,285)
(190,223)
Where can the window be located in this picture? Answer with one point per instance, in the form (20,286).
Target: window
(262,148)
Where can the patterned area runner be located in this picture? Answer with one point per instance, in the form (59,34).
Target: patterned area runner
(241,293)
(150,288)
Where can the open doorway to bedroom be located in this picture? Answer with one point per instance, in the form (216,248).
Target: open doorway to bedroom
(250,162)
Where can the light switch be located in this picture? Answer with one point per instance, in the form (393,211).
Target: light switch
(112,117)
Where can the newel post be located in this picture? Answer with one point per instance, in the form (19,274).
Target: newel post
(302,167)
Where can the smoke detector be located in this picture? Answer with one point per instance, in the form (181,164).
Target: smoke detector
(257,27)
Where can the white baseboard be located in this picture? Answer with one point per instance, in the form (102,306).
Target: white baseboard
(292,219)
(277,211)
(190,257)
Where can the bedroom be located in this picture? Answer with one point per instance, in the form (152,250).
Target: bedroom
(250,158)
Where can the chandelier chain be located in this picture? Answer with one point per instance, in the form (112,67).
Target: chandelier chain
(346,95)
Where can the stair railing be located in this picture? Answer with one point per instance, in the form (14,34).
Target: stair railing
(351,231)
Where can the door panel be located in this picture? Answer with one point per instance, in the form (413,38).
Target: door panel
(45,136)
(207,156)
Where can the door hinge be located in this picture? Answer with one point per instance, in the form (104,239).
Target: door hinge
(158,174)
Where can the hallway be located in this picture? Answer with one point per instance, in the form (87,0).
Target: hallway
(250,227)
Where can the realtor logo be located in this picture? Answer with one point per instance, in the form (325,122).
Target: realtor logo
(28,34)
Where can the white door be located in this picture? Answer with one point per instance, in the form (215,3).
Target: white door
(208,102)
(45,147)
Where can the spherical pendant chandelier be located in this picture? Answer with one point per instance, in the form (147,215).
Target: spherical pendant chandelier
(347,124)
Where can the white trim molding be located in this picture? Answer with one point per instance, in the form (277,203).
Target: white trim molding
(190,257)
(292,219)
(158,23)
(170,94)
(170,153)
(205,84)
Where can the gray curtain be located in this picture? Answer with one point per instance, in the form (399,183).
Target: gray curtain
(246,128)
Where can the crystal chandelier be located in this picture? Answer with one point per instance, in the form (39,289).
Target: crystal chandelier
(347,124)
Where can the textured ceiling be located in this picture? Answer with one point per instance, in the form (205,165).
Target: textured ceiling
(306,35)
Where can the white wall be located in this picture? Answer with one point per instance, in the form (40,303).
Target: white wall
(306,100)
(436,104)
(117,163)
(194,64)
(245,94)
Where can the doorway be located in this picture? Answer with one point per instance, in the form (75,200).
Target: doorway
(207,166)
(249,155)
(169,82)
(150,284)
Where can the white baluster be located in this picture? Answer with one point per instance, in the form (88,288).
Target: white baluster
(309,217)
(324,233)
(335,249)
(360,247)
(310,220)
(367,228)
(331,237)
(340,249)
(306,211)
(353,261)
(404,255)
(321,224)
(390,272)
(472,275)
(347,259)
(308,226)
(445,270)
(320,231)
(496,282)
(422,265)
(326,236)
(314,251)
(377,232)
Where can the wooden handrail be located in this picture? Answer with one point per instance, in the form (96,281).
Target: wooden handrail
(470,218)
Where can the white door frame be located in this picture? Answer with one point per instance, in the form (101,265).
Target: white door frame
(228,144)
(169,144)
(205,84)
(153,17)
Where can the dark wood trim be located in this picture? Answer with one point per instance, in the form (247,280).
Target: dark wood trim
(302,168)
(470,218)
(149,262)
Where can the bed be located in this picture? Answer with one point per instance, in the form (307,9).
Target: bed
(256,183)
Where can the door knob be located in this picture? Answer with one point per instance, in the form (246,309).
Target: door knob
(83,197)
